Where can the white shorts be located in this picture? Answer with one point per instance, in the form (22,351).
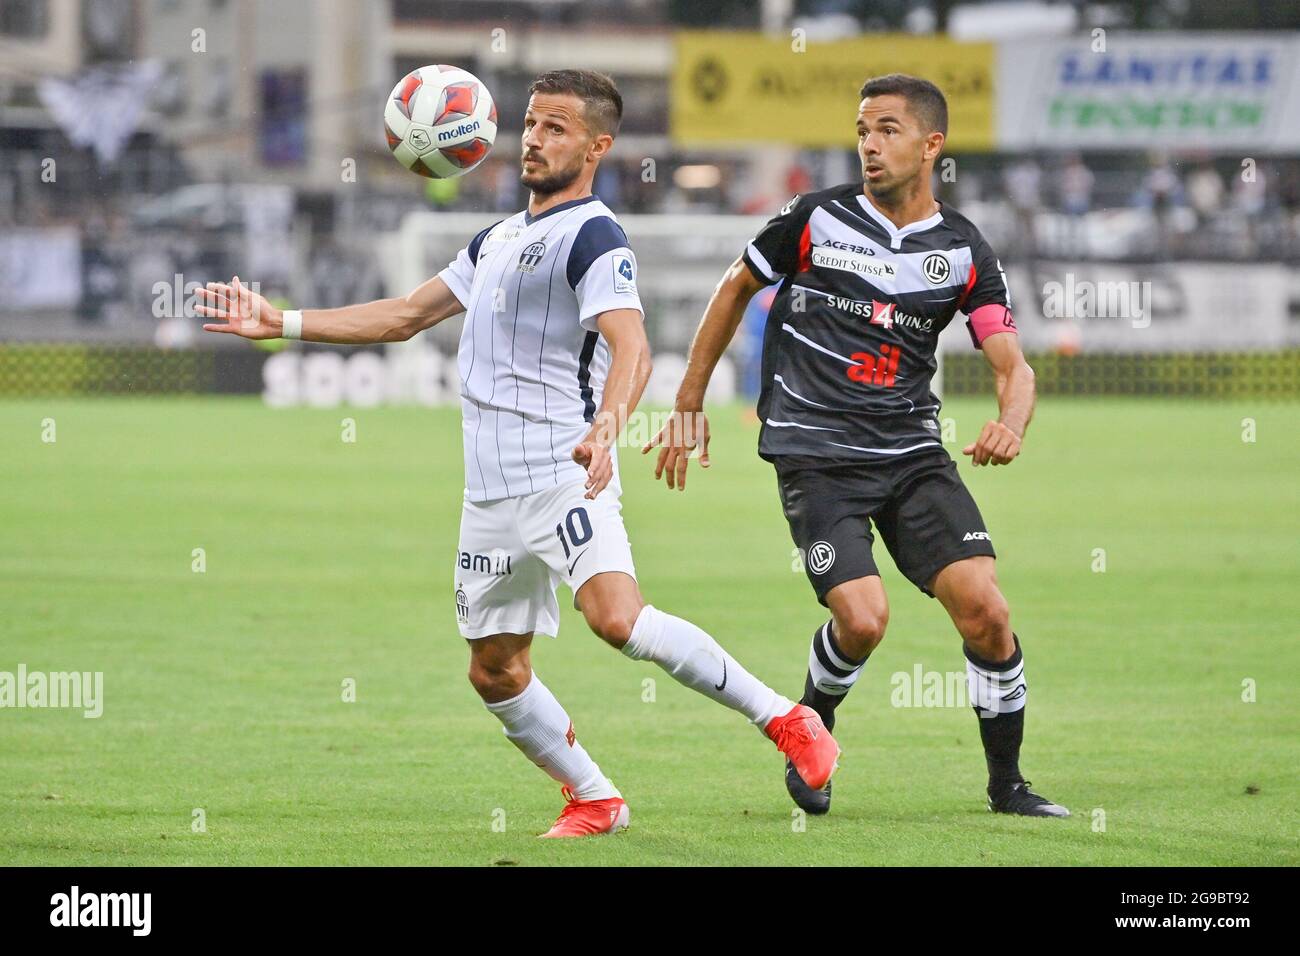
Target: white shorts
(514,552)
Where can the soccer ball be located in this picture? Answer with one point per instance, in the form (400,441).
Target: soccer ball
(440,121)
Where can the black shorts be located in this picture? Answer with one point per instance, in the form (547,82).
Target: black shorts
(917,502)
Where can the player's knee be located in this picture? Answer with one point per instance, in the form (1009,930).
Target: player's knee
(986,621)
(497,680)
(613,625)
(859,631)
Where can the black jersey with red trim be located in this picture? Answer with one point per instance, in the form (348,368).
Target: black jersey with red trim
(849,346)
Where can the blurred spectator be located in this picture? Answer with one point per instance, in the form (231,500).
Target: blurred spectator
(1075,185)
(1205,193)
(1022,182)
(1160,192)
(1250,198)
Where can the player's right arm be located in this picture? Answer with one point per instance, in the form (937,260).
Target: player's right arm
(248,314)
(688,426)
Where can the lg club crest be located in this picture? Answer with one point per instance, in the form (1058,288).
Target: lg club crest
(936,268)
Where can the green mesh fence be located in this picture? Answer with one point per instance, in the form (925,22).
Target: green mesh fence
(48,369)
(1208,374)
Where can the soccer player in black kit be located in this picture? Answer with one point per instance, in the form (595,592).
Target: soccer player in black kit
(869,274)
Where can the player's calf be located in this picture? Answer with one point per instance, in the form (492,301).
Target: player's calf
(841,646)
(995,679)
(613,624)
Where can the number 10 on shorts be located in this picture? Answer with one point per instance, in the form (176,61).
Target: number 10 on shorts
(574,531)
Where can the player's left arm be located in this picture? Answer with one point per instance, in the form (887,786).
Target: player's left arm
(999,442)
(629,370)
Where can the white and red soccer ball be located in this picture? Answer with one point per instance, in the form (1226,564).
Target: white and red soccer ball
(440,121)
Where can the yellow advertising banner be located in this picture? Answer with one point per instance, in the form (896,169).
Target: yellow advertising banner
(730,87)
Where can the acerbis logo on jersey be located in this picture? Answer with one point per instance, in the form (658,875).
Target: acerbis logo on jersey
(976,536)
(624,275)
(531,255)
(785,210)
(820,557)
(936,268)
(830,258)
(849,247)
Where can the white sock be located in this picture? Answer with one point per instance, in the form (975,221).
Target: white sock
(537,724)
(696,660)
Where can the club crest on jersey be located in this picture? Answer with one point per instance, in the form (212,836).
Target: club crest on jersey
(936,268)
(531,255)
(624,275)
(462,605)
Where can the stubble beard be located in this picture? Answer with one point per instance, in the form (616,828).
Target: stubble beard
(550,183)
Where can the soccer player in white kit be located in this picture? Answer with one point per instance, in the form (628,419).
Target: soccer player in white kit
(553,358)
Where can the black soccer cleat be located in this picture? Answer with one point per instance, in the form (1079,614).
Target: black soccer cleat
(1022,801)
(815,802)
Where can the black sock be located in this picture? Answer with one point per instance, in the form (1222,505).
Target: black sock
(826,664)
(824,704)
(1002,729)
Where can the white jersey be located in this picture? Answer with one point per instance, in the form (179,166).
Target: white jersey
(532,363)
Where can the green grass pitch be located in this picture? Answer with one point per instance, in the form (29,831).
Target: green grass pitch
(328,561)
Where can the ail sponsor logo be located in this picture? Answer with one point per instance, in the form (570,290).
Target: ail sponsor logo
(875,369)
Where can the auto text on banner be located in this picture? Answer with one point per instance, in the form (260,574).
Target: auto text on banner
(748,87)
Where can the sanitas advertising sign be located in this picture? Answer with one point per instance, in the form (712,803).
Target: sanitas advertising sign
(1213,91)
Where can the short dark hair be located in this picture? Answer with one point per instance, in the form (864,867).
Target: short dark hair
(924,99)
(602,104)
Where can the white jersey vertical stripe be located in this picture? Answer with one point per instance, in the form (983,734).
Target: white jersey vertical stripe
(532,363)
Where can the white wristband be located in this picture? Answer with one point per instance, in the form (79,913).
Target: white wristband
(292,328)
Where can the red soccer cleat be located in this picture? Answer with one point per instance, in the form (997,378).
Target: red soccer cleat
(589,817)
(802,737)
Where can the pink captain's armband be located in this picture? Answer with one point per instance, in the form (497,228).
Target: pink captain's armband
(988,319)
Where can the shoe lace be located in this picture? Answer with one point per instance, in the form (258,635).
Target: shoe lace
(794,731)
(571,805)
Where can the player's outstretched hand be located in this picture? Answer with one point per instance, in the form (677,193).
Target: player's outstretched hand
(683,433)
(997,445)
(245,312)
(595,457)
